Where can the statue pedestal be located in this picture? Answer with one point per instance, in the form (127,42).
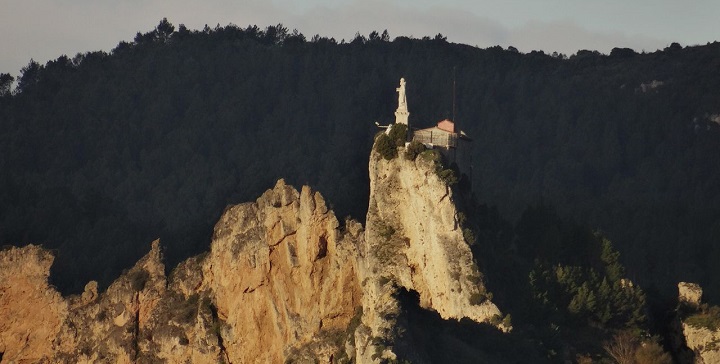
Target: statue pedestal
(401,117)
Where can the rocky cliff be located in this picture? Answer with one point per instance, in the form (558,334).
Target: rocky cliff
(283,281)
(414,241)
(697,327)
(279,282)
(283,277)
(31,312)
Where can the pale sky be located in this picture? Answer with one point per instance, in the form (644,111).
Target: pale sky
(46,29)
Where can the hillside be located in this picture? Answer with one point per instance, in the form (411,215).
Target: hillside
(103,152)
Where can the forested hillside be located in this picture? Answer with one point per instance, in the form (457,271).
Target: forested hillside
(103,152)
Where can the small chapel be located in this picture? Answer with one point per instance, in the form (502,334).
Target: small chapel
(450,141)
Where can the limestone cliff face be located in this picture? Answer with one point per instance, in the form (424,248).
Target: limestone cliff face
(697,339)
(413,240)
(705,343)
(283,282)
(279,283)
(283,276)
(31,312)
(139,318)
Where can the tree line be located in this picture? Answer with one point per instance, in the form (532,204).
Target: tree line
(103,152)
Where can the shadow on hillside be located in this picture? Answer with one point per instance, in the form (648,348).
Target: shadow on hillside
(427,338)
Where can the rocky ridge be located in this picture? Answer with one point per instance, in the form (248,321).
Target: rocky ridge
(697,335)
(283,281)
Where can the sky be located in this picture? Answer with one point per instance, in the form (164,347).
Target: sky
(46,29)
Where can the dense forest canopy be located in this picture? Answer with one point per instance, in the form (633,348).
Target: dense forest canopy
(103,152)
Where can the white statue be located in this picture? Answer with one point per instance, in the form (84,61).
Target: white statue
(402,114)
(402,99)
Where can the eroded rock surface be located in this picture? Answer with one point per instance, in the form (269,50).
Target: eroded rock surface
(31,312)
(697,337)
(283,281)
(279,283)
(413,240)
(283,276)
(704,343)
(690,294)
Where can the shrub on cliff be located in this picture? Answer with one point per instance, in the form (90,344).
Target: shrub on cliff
(398,134)
(469,236)
(413,150)
(447,175)
(707,317)
(386,144)
(385,147)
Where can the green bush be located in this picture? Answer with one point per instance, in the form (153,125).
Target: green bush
(469,236)
(448,176)
(462,218)
(507,321)
(708,317)
(398,134)
(413,150)
(386,143)
(386,147)
(499,319)
(431,155)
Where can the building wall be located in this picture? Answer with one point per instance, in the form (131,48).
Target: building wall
(436,137)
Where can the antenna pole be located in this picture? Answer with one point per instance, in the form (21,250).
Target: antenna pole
(453,104)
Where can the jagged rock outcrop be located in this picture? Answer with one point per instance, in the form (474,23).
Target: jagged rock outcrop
(413,240)
(704,343)
(283,282)
(690,294)
(283,276)
(139,318)
(31,312)
(279,283)
(696,327)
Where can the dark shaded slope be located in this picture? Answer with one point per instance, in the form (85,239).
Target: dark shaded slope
(424,337)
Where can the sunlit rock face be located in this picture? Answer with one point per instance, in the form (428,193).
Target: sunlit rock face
(413,240)
(31,312)
(279,283)
(283,276)
(696,334)
(283,280)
